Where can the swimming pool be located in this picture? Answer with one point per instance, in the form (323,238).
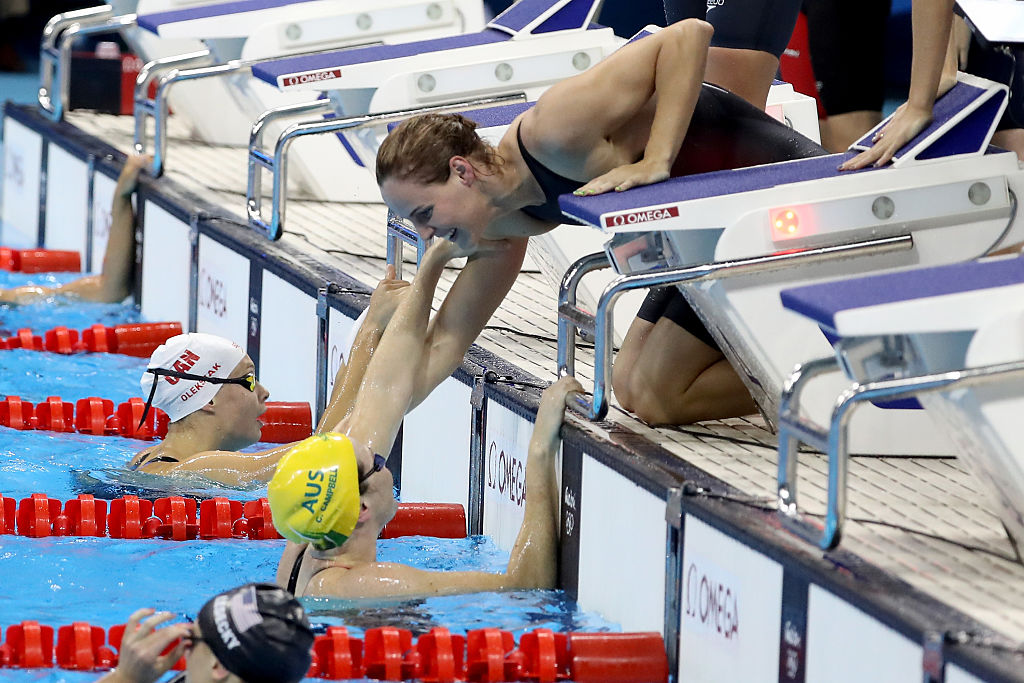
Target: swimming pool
(58,580)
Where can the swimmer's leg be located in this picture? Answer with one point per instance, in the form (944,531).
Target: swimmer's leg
(666,375)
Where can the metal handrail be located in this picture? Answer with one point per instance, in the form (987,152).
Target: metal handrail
(400,234)
(55,52)
(168,70)
(597,407)
(277,164)
(836,442)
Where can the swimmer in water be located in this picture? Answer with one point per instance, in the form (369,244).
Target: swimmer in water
(255,633)
(207,386)
(332,493)
(113,284)
(637,117)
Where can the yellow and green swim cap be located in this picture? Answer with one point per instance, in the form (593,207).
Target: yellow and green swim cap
(314,495)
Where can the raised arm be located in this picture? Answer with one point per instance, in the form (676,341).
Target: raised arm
(387,386)
(575,125)
(383,303)
(113,284)
(474,296)
(533,560)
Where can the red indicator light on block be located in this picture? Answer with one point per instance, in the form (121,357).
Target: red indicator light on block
(786,222)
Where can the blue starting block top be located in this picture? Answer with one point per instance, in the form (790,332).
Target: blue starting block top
(525,17)
(702,185)
(270,71)
(964,119)
(825,302)
(153,22)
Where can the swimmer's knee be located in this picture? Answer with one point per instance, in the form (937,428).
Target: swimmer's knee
(622,385)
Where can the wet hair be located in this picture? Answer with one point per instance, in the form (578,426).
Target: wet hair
(419,148)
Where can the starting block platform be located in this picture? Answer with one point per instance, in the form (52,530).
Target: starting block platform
(925,585)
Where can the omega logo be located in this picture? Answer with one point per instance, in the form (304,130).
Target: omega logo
(505,474)
(644,216)
(211,294)
(15,171)
(711,603)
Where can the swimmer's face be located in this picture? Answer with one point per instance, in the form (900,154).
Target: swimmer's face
(240,409)
(455,210)
(200,662)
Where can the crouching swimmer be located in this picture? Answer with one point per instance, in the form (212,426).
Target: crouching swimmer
(255,633)
(331,497)
(207,386)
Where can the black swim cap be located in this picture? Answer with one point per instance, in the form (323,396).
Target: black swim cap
(259,632)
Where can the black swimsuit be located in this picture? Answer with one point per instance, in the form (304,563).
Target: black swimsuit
(552,184)
(293,579)
(725,132)
(159,458)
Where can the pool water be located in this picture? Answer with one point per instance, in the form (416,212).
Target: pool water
(100,580)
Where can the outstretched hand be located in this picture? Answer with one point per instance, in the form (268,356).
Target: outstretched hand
(905,124)
(386,296)
(139,657)
(625,177)
(449,250)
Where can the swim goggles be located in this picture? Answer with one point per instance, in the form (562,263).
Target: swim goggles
(248,381)
(379,462)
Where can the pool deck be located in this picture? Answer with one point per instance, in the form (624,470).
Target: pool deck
(972,572)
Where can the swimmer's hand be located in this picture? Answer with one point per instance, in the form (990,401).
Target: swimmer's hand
(129,178)
(906,123)
(556,396)
(139,658)
(625,177)
(386,297)
(449,250)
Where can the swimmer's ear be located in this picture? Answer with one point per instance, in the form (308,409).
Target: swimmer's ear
(219,672)
(461,168)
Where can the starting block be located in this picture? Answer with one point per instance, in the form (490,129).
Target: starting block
(240,35)
(524,50)
(950,336)
(732,240)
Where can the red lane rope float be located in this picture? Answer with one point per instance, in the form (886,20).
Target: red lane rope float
(130,339)
(40,260)
(283,422)
(178,518)
(391,654)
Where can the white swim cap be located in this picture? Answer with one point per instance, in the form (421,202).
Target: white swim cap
(199,354)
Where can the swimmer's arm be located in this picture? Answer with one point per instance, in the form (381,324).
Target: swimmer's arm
(114,283)
(232,468)
(532,562)
(474,296)
(119,258)
(388,384)
(391,580)
(931,21)
(579,114)
(383,303)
